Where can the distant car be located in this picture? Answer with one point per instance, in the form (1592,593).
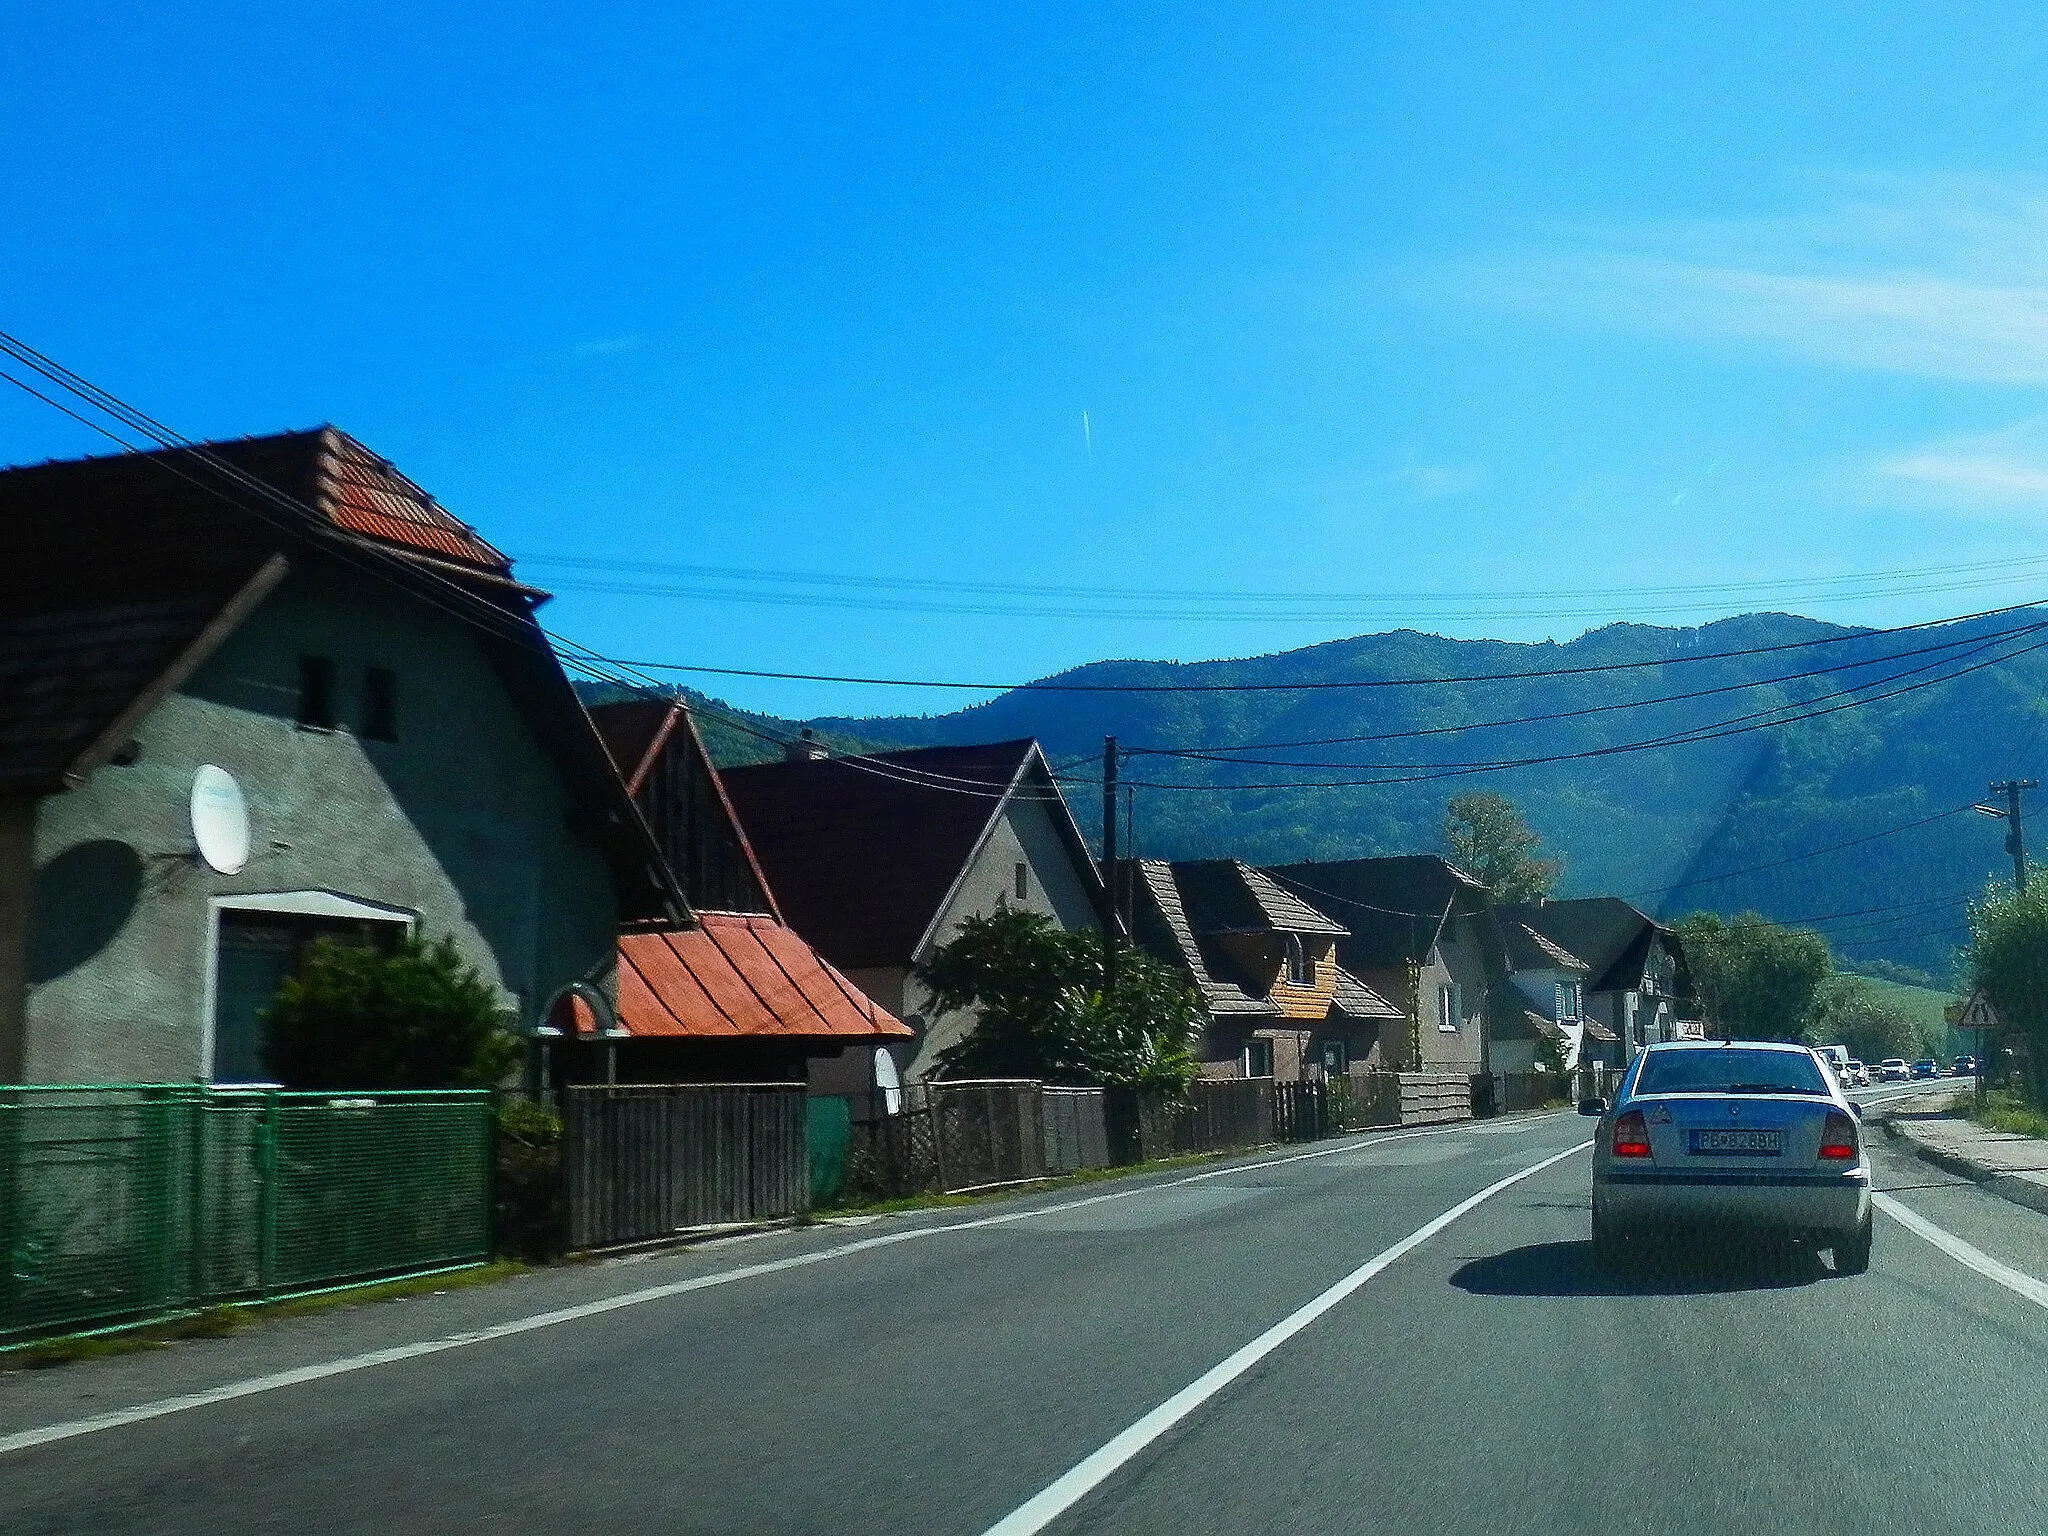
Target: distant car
(1893,1069)
(1705,1136)
(1926,1066)
(1966,1066)
(1858,1075)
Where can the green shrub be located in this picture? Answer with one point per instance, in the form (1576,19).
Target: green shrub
(358,1018)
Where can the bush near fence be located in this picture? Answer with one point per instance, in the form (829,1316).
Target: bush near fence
(126,1204)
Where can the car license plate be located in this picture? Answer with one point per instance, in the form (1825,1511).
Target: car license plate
(1736,1143)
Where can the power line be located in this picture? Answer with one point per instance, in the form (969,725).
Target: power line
(1323,684)
(308,522)
(757,585)
(1800,858)
(1463,770)
(1592,709)
(1706,730)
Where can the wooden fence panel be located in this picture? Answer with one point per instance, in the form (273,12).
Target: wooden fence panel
(1076,1129)
(647,1161)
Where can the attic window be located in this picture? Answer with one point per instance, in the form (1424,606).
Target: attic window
(1023,881)
(380,704)
(1301,970)
(316,693)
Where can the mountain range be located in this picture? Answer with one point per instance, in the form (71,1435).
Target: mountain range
(1810,771)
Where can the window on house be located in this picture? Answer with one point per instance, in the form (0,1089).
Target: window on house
(1023,881)
(1258,1058)
(1567,999)
(1301,970)
(316,692)
(380,704)
(1450,1008)
(1336,1058)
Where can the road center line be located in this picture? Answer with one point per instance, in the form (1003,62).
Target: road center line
(1046,1506)
(1970,1257)
(231,1391)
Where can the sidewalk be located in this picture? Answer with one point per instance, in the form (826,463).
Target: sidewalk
(2015,1167)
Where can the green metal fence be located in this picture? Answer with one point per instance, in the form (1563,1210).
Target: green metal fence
(122,1204)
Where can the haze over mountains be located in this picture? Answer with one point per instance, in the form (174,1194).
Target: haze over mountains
(1885,729)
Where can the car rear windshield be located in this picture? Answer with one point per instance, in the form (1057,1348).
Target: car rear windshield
(1733,1070)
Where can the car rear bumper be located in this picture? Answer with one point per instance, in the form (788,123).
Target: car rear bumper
(1658,1197)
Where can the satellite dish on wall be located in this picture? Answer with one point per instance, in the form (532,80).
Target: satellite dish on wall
(889,1080)
(220,820)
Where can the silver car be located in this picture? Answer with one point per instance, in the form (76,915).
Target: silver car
(1750,1135)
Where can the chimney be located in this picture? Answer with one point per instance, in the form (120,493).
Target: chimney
(805,749)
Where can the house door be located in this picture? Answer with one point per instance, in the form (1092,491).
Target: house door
(254,953)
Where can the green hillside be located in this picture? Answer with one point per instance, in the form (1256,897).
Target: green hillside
(1901,728)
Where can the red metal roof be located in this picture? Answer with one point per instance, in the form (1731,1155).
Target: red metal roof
(739,974)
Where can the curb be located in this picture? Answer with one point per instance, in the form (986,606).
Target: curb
(2007,1186)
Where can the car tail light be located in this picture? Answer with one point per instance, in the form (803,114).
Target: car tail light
(1838,1138)
(1631,1135)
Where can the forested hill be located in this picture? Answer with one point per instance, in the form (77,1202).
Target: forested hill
(1885,729)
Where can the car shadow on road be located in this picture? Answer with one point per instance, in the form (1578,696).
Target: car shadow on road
(1567,1269)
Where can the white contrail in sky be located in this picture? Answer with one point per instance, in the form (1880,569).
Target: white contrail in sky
(1087,435)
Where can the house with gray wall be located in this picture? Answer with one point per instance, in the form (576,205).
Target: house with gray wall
(1638,990)
(1421,934)
(878,860)
(1265,962)
(1551,983)
(285,648)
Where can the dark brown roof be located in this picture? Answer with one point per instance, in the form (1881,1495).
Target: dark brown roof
(1359,1001)
(862,853)
(123,574)
(679,792)
(1161,924)
(1528,950)
(1393,907)
(1183,903)
(1611,936)
(1225,896)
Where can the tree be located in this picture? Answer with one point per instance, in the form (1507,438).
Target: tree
(358,1018)
(1043,1011)
(2008,958)
(1756,979)
(1870,1028)
(1488,838)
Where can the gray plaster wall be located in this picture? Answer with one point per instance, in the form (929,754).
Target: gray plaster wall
(1024,834)
(463,822)
(17,866)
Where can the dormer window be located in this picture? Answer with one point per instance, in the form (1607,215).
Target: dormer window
(1301,970)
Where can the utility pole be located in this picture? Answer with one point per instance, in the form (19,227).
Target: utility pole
(1109,862)
(2015,840)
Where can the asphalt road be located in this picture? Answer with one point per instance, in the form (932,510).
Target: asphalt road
(948,1372)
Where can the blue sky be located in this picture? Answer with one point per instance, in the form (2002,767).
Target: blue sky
(1375,313)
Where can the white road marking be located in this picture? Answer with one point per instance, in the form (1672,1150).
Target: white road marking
(1046,1506)
(119,1418)
(1970,1257)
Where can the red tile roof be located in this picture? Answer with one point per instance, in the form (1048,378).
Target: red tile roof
(365,494)
(739,974)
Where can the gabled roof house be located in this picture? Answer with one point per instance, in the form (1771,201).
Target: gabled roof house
(1421,934)
(1638,990)
(1265,962)
(878,859)
(738,996)
(261,692)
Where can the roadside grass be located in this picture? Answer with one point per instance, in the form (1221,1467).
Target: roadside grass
(1035,1186)
(218,1322)
(2005,1110)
